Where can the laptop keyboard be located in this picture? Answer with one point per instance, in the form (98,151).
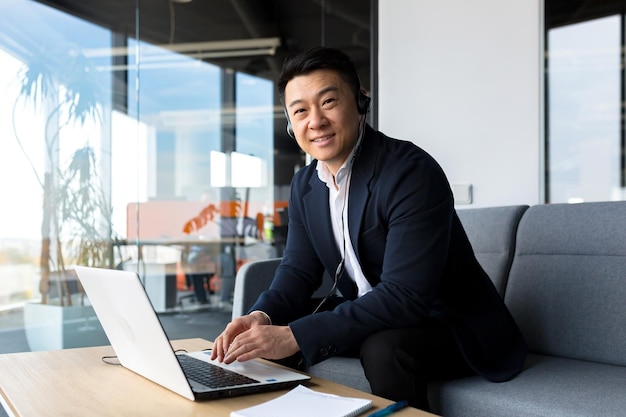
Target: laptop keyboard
(211,375)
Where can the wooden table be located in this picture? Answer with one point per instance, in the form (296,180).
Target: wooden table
(75,382)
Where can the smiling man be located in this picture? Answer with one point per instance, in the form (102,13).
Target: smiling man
(323,116)
(409,297)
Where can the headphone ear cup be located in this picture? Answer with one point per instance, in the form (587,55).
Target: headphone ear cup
(289,128)
(363,102)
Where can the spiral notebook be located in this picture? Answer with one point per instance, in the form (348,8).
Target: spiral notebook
(305,402)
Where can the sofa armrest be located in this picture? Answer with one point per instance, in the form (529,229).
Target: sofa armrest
(492,231)
(252,279)
(256,276)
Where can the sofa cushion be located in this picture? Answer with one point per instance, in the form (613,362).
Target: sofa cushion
(346,371)
(492,232)
(567,284)
(548,387)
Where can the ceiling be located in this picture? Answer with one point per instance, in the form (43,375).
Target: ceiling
(566,12)
(298,25)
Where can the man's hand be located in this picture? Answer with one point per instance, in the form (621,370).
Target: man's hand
(268,342)
(251,336)
(232,330)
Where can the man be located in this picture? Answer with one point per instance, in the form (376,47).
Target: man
(377,214)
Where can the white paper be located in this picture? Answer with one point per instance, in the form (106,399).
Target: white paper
(304,402)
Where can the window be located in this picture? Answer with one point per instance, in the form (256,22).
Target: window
(585,102)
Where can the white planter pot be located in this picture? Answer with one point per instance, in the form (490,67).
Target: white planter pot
(50,327)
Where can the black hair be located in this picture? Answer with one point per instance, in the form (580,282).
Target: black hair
(315,59)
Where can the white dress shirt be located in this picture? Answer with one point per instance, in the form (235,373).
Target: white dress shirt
(338,191)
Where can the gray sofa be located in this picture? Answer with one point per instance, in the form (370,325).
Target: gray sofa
(562,272)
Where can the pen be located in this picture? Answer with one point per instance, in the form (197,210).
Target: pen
(390,409)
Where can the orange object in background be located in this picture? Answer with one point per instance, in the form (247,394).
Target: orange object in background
(177,220)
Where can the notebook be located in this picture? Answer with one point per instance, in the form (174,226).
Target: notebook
(141,345)
(308,403)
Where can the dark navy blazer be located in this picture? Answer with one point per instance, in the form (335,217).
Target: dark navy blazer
(412,249)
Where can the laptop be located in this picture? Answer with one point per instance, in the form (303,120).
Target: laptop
(141,345)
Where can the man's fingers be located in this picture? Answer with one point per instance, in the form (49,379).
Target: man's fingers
(222,343)
(248,355)
(221,346)
(218,351)
(243,340)
(269,342)
(235,348)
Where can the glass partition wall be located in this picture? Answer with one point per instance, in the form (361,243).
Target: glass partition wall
(146,136)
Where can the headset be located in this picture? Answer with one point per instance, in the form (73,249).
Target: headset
(363,102)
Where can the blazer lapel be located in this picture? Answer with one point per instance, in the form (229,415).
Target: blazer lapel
(317,215)
(362,173)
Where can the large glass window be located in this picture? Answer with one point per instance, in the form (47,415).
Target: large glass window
(151,140)
(585,101)
(57,143)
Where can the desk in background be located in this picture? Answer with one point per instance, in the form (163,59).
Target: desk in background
(75,382)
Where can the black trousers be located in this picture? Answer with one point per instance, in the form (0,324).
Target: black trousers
(399,363)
